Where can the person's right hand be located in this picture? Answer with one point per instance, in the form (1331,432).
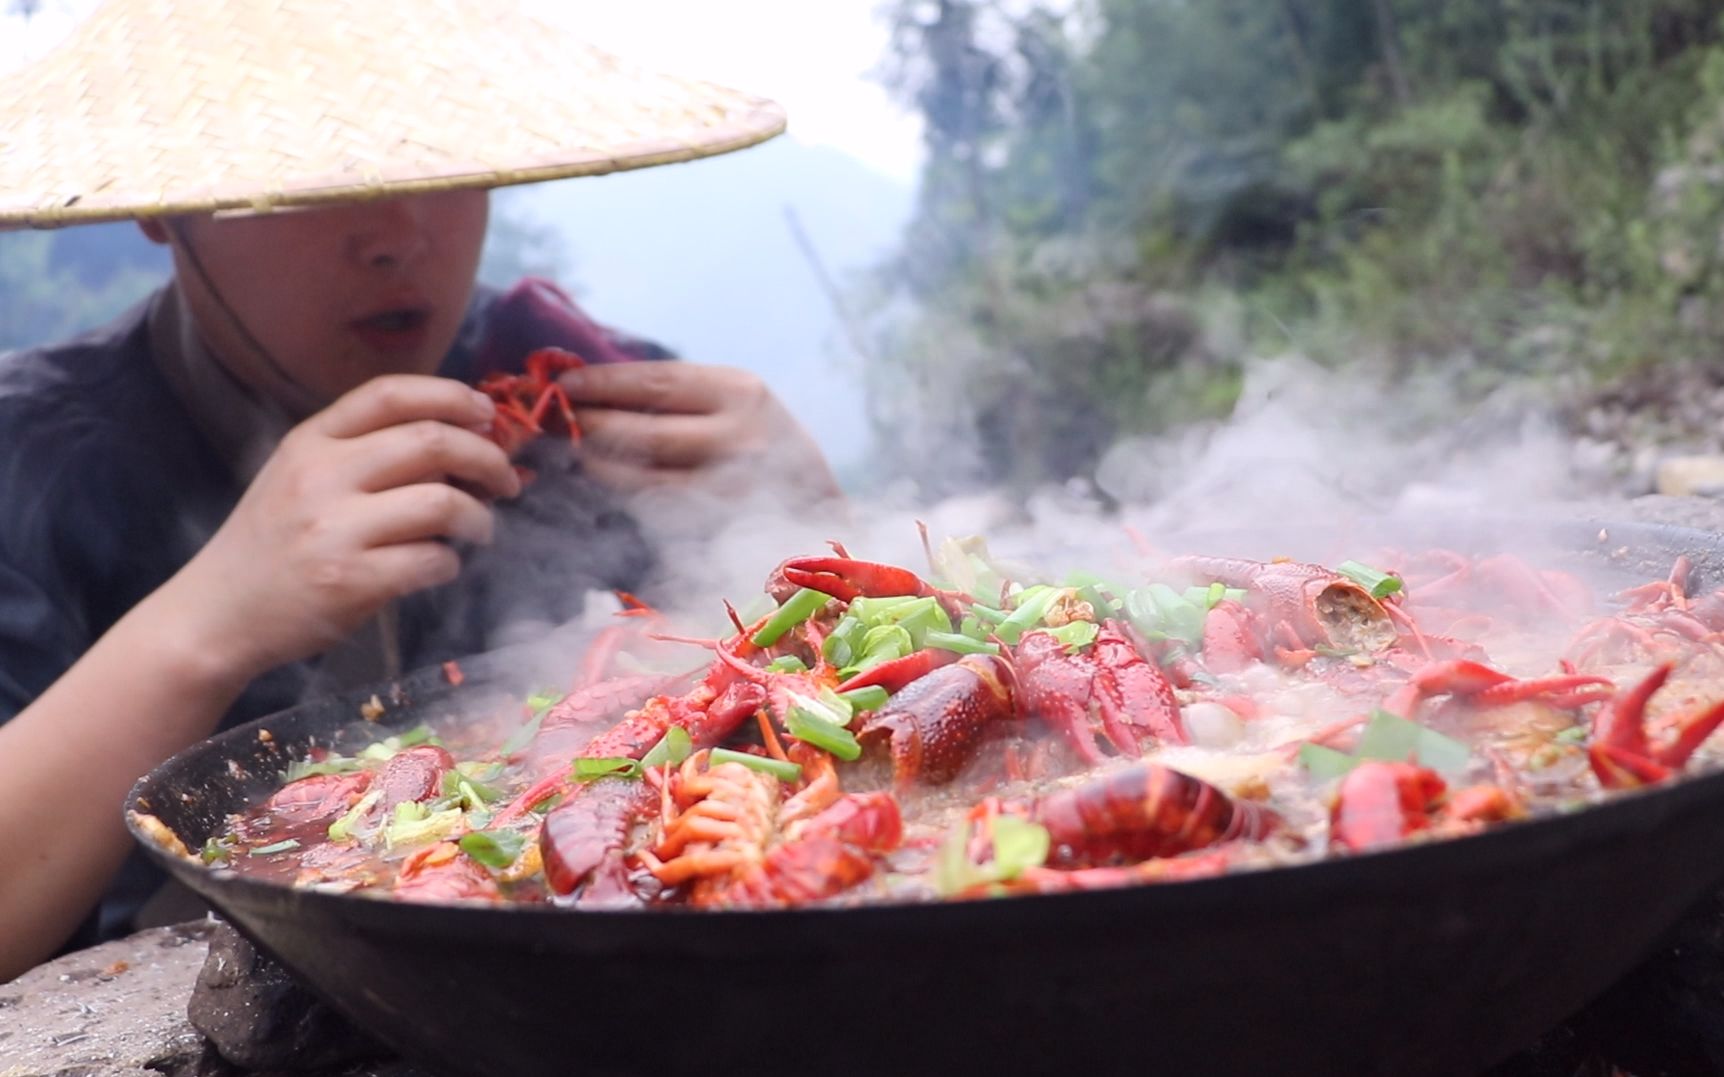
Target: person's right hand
(349,512)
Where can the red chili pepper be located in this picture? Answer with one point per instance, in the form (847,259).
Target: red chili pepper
(452,672)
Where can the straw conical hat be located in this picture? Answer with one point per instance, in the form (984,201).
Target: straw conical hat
(170,106)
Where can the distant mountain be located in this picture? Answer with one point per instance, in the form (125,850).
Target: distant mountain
(702,258)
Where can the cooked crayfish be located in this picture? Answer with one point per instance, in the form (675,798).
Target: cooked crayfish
(532,403)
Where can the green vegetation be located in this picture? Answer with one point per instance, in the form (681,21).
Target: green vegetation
(1123,204)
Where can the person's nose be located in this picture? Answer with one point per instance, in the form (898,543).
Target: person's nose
(388,234)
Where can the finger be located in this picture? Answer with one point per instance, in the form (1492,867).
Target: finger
(429,451)
(408,567)
(399,398)
(675,387)
(422,511)
(674,441)
(628,476)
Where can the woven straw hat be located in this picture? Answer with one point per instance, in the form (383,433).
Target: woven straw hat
(171,106)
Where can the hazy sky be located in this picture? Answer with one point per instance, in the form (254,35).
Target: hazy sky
(813,56)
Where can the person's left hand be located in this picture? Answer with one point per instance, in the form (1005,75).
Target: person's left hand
(672,423)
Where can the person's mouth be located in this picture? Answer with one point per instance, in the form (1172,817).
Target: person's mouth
(393,329)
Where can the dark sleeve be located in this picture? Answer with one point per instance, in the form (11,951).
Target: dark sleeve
(39,638)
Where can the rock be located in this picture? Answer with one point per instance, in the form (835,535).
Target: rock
(119,1010)
(258,1016)
(1682,476)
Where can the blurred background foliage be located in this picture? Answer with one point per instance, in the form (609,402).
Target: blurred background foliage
(1125,199)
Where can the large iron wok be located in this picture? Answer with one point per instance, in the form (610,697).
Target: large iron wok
(1438,959)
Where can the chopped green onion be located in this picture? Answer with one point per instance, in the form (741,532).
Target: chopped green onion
(1018,845)
(786,663)
(811,729)
(952,641)
(541,701)
(673,747)
(783,771)
(335,764)
(1380,584)
(844,645)
(869,698)
(953,871)
(493,848)
(1101,605)
(878,611)
(796,609)
(989,613)
(1033,605)
(1074,634)
(1393,738)
(540,704)
(1324,762)
(276,847)
(1574,734)
(342,828)
(217,848)
(470,798)
(591,770)
(417,824)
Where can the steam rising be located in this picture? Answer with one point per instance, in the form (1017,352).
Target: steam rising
(1312,464)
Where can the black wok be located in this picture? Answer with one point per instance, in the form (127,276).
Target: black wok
(1438,959)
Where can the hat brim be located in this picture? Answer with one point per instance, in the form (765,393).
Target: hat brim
(160,107)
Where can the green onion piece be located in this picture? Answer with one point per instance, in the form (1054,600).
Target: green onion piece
(923,620)
(1324,762)
(470,798)
(1033,604)
(335,764)
(342,828)
(591,770)
(1018,845)
(953,871)
(541,701)
(493,848)
(796,609)
(520,738)
(217,848)
(870,698)
(886,642)
(811,729)
(419,734)
(1075,635)
(673,747)
(545,805)
(778,768)
(952,641)
(845,643)
(1391,737)
(1217,592)
(786,663)
(989,613)
(879,611)
(1102,605)
(1380,584)
(276,847)
(422,825)
(1574,734)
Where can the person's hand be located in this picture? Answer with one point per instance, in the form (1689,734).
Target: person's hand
(656,424)
(351,511)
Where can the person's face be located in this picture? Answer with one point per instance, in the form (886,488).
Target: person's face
(335,296)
